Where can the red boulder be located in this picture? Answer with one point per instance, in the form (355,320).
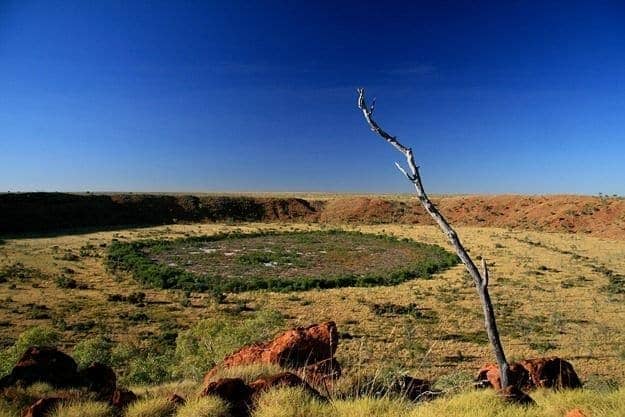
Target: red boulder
(551,372)
(296,348)
(44,364)
(100,379)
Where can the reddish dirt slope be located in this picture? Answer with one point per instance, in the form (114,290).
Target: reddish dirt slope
(604,217)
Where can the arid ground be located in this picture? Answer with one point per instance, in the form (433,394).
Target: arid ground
(552,290)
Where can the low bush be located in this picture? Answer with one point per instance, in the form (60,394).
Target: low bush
(93,349)
(209,341)
(17,271)
(63,281)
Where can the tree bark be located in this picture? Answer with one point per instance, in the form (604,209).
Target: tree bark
(479,279)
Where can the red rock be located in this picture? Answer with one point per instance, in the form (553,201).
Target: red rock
(44,364)
(42,407)
(531,373)
(284,379)
(241,396)
(122,398)
(551,372)
(295,348)
(489,376)
(100,379)
(235,392)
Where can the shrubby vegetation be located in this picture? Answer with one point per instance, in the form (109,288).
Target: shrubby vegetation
(190,355)
(93,349)
(19,272)
(208,341)
(135,257)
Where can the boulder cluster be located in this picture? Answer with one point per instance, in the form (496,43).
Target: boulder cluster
(527,374)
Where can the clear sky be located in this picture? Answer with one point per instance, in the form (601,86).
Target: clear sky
(494,97)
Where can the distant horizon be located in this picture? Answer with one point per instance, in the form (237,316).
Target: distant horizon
(303,193)
(494,97)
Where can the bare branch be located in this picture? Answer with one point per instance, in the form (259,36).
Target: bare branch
(368,113)
(481,282)
(403,171)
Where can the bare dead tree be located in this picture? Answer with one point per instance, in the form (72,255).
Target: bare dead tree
(479,278)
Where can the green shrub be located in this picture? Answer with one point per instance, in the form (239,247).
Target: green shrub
(149,368)
(93,349)
(209,341)
(36,336)
(63,281)
(19,272)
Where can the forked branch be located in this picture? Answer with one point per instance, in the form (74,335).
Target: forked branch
(480,279)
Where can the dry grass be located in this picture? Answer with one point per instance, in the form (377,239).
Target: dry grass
(294,403)
(550,301)
(151,407)
(203,407)
(83,409)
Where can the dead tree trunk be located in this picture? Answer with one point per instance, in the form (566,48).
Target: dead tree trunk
(479,278)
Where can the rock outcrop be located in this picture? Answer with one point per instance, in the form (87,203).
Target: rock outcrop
(551,372)
(309,349)
(99,379)
(44,364)
(526,374)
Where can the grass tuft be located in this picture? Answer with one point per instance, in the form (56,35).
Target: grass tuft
(291,402)
(151,407)
(83,409)
(203,407)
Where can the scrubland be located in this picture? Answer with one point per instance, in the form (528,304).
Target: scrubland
(556,294)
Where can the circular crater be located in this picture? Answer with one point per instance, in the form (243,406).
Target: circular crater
(278,261)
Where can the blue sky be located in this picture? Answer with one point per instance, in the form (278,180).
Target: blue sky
(494,97)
